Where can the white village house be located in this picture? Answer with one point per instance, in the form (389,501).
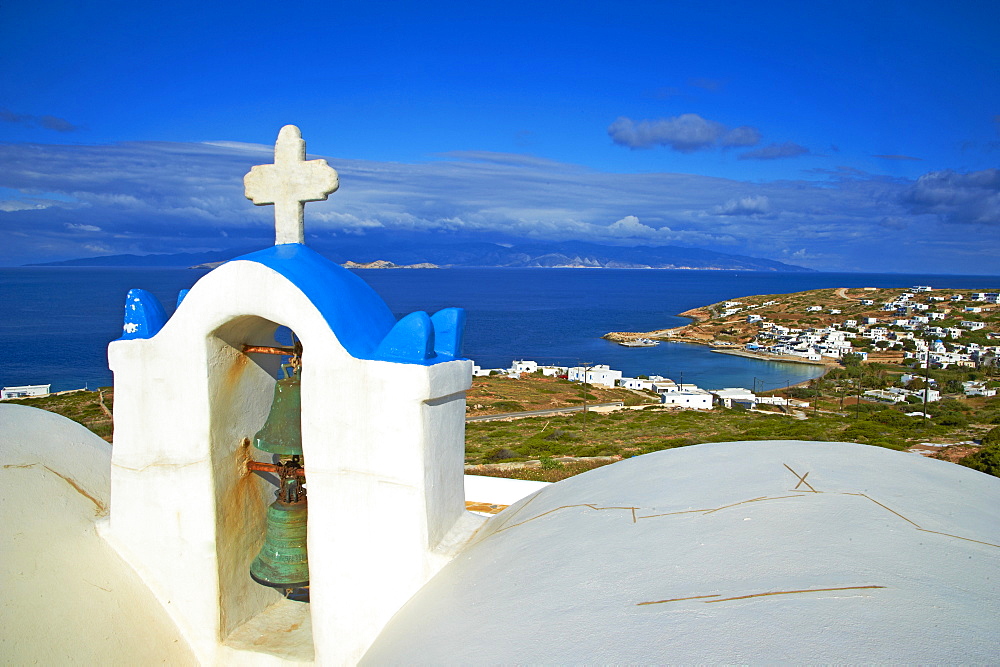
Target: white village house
(600,374)
(736,397)
(694,399)
(25,391)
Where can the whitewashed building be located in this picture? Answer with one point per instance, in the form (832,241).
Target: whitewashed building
(519,367)
(977,388)
(781,400)
(600,374)
(638,384)
(696,399)
(735,396)
(884,396)
(26,391)
(479,371)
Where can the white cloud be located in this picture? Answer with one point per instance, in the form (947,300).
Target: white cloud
(780,151)
(741,136)
(267,149)
(156,197)
(630,227)
(20,205)
(753,205)
(44,121)
(970,198)
(893,222)
(685,133)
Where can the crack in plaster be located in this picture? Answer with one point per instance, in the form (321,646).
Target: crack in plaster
(759,595)
(506,525)
(158,464)
(100,508)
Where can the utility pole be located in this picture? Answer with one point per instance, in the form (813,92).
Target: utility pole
(586,370)
(857,405)
(927,381)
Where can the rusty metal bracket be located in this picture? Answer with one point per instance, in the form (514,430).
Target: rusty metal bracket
(270,349)
(277,468)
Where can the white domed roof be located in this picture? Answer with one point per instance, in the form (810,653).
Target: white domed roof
(68,597)
(731,552)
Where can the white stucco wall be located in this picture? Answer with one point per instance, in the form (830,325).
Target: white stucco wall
(499,490)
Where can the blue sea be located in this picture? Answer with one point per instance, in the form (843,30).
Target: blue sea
(55,323)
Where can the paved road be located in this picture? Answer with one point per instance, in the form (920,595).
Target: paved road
(540,413)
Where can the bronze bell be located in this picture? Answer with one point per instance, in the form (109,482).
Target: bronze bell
(282,561)
(282,432)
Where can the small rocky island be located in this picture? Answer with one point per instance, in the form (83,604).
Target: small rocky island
(385,264)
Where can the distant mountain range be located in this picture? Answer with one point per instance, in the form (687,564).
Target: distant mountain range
(540,254)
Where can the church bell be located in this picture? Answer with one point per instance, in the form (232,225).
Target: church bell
(283,561)
(282,432)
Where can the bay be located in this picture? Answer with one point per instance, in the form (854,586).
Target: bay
(55,323)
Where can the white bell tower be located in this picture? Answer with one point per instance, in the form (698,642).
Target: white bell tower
(383,422)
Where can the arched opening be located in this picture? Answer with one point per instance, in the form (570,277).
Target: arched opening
(242,385)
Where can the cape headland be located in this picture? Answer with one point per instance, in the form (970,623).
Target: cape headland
(883,322)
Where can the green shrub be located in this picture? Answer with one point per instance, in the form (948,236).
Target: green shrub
(501,454)
(892,417)
(951,419)
(508,406)
(548,463)
(986,460)
(802,392)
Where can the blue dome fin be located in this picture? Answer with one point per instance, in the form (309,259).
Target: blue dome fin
(410,340)
(449,331)
(144,315)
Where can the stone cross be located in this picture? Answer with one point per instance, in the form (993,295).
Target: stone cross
(289,183)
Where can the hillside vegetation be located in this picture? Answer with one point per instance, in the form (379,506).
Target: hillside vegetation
(545,448)
(83,407)
(499,394)
(557,446)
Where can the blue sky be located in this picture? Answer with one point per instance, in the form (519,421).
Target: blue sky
(839,136)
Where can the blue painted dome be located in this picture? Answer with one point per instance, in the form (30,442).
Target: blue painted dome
(360,318)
